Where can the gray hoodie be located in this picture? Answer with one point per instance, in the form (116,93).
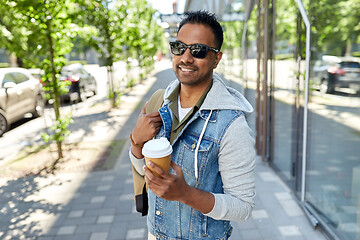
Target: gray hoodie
(236,164)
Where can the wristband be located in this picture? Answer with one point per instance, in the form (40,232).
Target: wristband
(133,143)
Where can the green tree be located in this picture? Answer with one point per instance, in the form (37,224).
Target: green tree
(143,35)
(335,25)
(40,33)
(123,30)
(104,21)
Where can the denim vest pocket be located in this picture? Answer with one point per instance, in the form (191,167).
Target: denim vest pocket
(204,226)
(187,155)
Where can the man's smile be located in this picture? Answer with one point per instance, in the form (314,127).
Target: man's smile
(186,69)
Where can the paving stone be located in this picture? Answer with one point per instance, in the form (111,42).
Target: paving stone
(129,181)
(130,217)
(291,208)
(248,224)
(112,201)
(283,196)
(125,197)
(250,234)
(87,206)
(82,198)
(97,199)
(91,228)
(268,176)
(108,178)
(80,221)
(135,233)
(76,214)
(100,211)
(73,237)
(105,219)
(290,230)
(134,209)
(117,231)
(103,188)
(259,214)
(44,238)
(66,230)
(99,236)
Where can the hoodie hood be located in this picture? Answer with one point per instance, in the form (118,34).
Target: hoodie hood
(230,98)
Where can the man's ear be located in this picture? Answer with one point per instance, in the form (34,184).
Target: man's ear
(217,59)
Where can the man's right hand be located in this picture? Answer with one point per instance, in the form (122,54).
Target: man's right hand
(147,126)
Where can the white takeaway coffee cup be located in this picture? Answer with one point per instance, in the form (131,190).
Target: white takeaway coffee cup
(159,152)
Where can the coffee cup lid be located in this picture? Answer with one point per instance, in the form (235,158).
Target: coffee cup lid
(157,148)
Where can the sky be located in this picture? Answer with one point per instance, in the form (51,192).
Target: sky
(165,6)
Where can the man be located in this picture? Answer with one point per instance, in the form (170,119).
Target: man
(212,180)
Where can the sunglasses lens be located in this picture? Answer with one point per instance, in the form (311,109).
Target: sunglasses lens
(177,48)
(198,51)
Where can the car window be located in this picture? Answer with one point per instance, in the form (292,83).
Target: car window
(77,71)
(350,65)
(20,77)
(65,73)
(330,63)
(8,77)
(83,71)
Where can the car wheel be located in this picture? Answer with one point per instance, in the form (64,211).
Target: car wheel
(81,95)
(95,90)
(3,124)
(39,106)
(326,87)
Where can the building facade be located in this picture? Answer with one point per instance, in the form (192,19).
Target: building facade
(307,85)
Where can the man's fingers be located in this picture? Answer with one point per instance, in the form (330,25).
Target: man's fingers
(154,114)
(154,120)
(157,169)
(150,178)
(175,167)
(157,124)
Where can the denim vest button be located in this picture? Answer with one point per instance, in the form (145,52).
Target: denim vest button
(158,212)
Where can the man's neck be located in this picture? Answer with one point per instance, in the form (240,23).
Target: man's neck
(190,95)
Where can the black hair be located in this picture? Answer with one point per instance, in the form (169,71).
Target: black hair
(206,18)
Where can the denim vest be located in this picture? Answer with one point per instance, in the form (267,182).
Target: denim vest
(175,220)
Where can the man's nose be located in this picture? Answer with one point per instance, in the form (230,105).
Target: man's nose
(187,57)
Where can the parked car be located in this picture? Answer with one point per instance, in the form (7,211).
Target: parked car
(82,82)
(20,93)
(331,72)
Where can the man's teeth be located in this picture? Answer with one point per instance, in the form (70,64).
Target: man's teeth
(187,70)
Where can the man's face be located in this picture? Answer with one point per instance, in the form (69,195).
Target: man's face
(188,69)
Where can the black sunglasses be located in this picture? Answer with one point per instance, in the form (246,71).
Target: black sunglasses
(197,50)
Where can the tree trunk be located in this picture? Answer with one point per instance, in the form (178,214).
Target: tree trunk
(348,48)
(56,87)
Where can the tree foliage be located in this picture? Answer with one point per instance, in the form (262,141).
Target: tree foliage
(143,35)
(120,30)
(232,34)
(335,25)
(42,32)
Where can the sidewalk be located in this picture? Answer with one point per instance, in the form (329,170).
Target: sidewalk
(99,205)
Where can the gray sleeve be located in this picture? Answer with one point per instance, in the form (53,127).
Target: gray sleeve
(137,163)
(236,165)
